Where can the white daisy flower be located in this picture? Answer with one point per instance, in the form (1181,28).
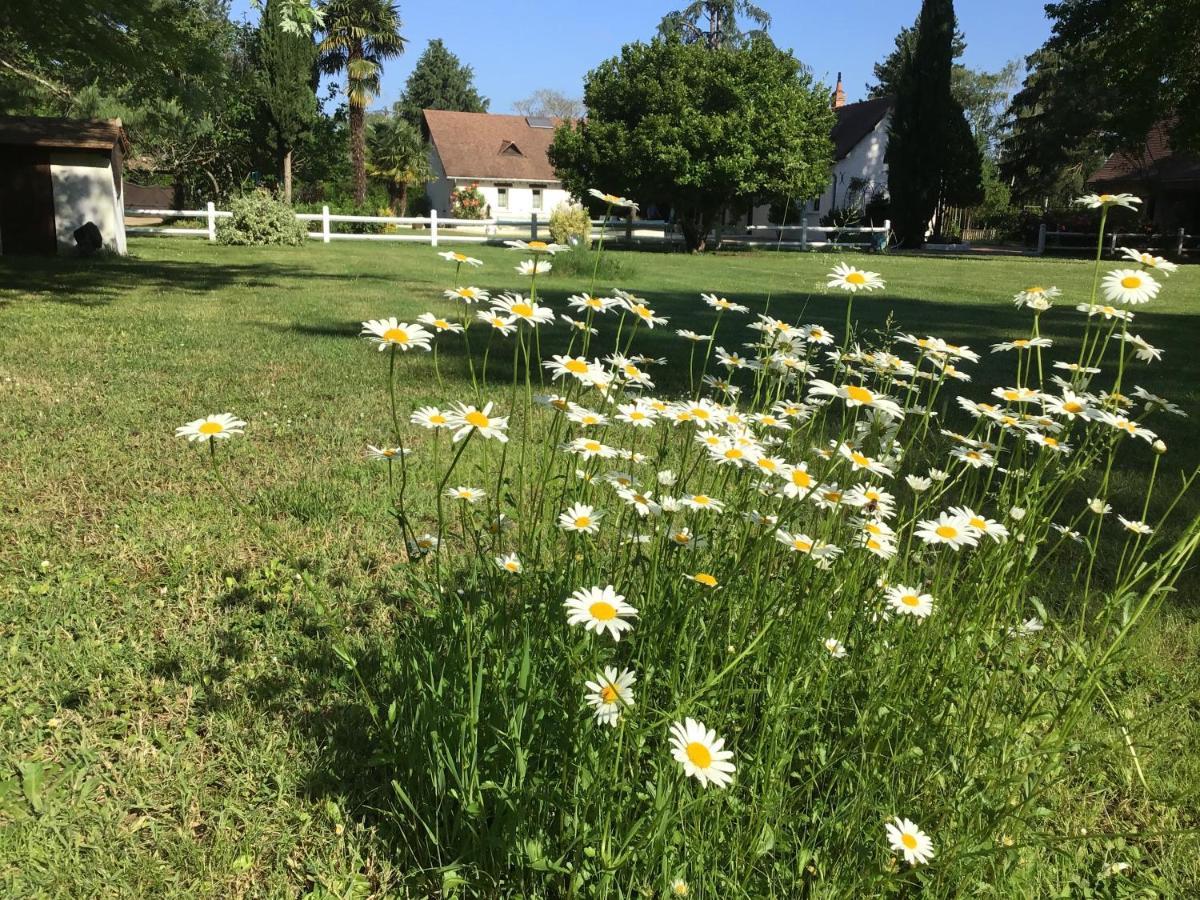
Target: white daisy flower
(465,493)
(467,295)
(522,308)
(701,753)
(1129,286)
(834,647)
(1137,526)
(909,601)
(386,453)
(430,417)
(459,258)
(609,692)
(510,563)
(580,518)
(948,529)
(1149,260)
(906,838)
(722,304)
(392,333)
(439,324)
(613,200)
(218,427)
(533,267)
(848,278)
(600,610)
(506,325)
(467,418)
(536,247)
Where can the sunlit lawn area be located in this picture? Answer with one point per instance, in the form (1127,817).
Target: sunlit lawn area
(174,719)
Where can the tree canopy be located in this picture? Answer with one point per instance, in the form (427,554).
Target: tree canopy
(285,60)
(933,158)
(697,129)
(714,23)
(439,80)
(548,102)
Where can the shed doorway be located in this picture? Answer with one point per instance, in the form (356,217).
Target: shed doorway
(26,201)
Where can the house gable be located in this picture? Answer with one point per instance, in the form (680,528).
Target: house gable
(492,147)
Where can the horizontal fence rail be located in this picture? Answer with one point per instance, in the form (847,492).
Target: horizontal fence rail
(1178,243)
(433,229)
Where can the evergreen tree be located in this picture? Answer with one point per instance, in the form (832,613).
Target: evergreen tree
(286,63)
(438,81)
(714,24)
(933,159)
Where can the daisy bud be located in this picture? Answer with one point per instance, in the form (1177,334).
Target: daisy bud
(1017,513)
(1159,447)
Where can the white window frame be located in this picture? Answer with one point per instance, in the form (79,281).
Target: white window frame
(536,195)
(502,196)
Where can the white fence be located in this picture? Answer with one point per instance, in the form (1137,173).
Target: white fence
(1085,242)
(433,229)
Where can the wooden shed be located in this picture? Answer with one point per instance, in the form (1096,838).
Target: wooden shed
(56,175)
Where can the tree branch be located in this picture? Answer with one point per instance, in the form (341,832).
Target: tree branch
(57,89)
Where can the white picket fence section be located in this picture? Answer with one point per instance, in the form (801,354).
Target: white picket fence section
(1176,244)
(433,229)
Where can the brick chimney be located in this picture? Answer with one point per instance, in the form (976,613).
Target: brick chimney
(839,94)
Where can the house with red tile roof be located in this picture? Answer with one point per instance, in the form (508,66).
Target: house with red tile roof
(504,156)
(1168,182)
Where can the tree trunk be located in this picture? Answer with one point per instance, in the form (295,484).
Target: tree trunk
(358,129)
(287,177)
(695,227)
(402,200)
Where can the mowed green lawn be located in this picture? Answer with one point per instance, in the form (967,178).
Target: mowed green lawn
(173,719)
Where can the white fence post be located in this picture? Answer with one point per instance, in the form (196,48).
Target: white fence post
(433,228)
(325,224)
(887,232)
(804,230)
(1179,246)
(212,222)
(1041,247)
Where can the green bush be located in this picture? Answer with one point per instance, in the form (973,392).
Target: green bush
(261,219)
(570,220)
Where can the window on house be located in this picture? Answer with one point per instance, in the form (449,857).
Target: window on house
(502,196)
(817,205)
(537,198)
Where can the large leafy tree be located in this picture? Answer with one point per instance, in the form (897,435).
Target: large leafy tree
(439,80)
(357,37)
(714,23)
(698,129)
(397,156)
(933,159)
(285,60)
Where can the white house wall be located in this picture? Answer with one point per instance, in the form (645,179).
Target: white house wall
(84,191)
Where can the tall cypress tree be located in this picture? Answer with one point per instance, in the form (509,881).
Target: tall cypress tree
(286,63)
(933,161)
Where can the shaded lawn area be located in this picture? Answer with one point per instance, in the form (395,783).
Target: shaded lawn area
(168,698)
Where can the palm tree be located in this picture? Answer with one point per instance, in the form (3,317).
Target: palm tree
(357,36)
(722,28)
(397,155)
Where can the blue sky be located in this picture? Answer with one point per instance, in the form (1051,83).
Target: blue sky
(519,46)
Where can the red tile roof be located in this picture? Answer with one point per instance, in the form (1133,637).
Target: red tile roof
(1154,161)
(483,145)
(63,134)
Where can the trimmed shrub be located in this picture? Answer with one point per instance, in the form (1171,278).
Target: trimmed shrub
(571,220)
(260,219)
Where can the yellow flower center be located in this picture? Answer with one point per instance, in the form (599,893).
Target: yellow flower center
(592,446)
(682,537)
(768,464)
(1036,289)
(833,496)
(537,245)
(521,309)
(859,394)
(440,323)
(700,500)
(705,579)
(801,478)
(583,521)
(468,293)
(1106,198)
(211,428)
(576,366)
(856,278)
(978,522)
(396,335)
(1129,282)
(802,546)
(609,693)
(1050,442)
(699,755)
(908,841)
(437,419)
(734,453)
(859,459)
(910,600)
(946,531)
(476,419)
(512,566)
(603,612)
(873,544)
(1072,407)
(1021,342)
(637,415)
(971,454)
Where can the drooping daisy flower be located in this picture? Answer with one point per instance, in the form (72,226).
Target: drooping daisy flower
(1126,425)
(467,295)
(909,601)
(856,395)
(1149,260)
(1029,627)
(906,838)
(848,278)
(510,563)
(425,543)
(645,314)
(834,647)
(533,267)
(385,453)
(600,610)
(218,427)
(582,518)
(609,692)
(1037,298)
(459,258)
(1129,286)
(1096,201)
(1137,526)
(947,529)
(439,324)
(392,333)
(1142,348)
(1023,344)
(918,483)
(692,336)
(613,200)
(536,246)
(466,494)
(701,753)
(467,418)
(722,304)
(430,417)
